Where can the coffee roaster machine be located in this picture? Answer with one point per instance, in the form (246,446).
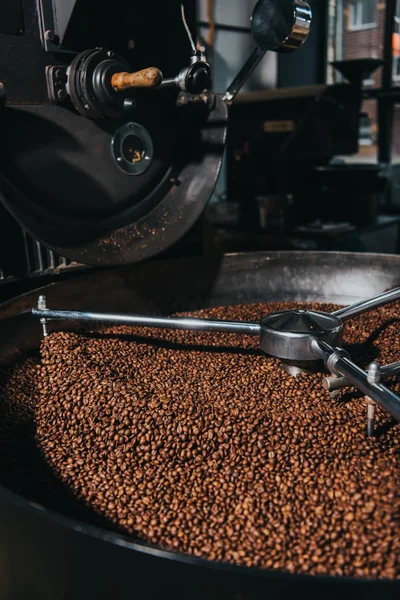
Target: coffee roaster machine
(111,145)
(282,154)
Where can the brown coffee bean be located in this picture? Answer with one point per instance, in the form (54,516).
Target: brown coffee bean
(199,443)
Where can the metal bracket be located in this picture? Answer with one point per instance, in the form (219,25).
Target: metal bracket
(56,78)
(47,28)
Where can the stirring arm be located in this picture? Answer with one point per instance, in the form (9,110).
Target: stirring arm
(180,323)
(366,305)
(338,363)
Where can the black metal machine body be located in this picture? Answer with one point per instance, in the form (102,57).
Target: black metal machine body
(277,139)
(111,141)
(91,171)
(281,144)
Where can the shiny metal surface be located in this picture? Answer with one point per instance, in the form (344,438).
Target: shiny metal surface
(301,27)
(281,25)
(366,305)
(288,334)
(179,323)
(387,399)
(333,384)
(243,75)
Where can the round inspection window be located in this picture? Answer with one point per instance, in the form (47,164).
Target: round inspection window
(132,148)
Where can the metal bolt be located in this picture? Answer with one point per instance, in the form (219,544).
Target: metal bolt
(61,94)
(60,74)
(374,373)
(110,54)
(182,99)
(374,377)
(131,44)
(333,384)
(42,305)
(50,36)
(129,104)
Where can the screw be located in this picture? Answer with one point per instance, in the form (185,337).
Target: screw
(42,305)
(110,54)
(61,94)
(60,74)
(182,99)
(374,377)
(50,36)
(129,103)
(131,44)
(374,373)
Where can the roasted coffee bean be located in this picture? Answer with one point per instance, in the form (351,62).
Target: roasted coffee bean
(199,443)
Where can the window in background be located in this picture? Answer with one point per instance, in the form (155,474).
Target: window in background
(352,37)
(346,42)
(362,14)
(396,46)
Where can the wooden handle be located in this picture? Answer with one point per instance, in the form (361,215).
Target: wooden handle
(147,78)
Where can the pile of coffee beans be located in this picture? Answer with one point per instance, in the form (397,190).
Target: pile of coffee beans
(18,386)
(199,443)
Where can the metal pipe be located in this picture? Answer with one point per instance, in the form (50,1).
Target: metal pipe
(387,399)
(332,384)
(180,323)
(243,75)
(366,305)
(392,370)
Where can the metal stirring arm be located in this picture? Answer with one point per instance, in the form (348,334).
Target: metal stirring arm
(366,305)
(179,323)
(333,384)
(336,359)
(338,362)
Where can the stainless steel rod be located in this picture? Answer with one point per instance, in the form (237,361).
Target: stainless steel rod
(387,399)
(182,323)
(366,305)
(243,75)
(332,384)
(392,370)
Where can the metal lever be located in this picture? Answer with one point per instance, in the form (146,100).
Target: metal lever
(366,305)
(277,25)
(243,75)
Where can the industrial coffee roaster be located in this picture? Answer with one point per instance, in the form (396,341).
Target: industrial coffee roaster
(111,144)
